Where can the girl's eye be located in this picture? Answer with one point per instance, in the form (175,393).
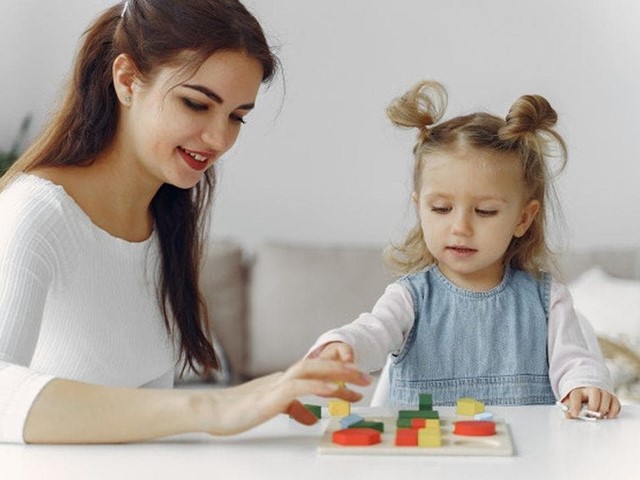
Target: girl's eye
(441,210)
(486,213)
(195,106)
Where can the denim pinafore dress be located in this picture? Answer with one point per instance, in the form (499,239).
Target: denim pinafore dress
(491,346)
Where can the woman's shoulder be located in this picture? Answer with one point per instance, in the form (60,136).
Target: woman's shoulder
(31,206)
(30,195)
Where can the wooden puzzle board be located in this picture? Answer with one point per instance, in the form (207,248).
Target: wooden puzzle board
(495,445)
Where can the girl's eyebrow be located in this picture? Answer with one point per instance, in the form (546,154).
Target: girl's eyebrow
(445,196)
(215,97)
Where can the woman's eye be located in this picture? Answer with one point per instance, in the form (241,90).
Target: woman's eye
(195,106)
(238,119)
(486,213)
(441,210)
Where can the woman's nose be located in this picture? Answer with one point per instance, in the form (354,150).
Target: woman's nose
(218,136)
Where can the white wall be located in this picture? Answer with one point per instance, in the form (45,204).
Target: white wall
(320,162)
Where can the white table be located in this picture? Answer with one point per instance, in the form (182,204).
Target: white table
(547,447)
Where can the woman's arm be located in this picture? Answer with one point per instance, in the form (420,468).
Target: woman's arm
(75,412)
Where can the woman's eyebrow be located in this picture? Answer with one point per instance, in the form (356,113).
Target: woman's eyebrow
(215,97)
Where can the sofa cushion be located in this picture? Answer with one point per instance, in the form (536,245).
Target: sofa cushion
(299,292)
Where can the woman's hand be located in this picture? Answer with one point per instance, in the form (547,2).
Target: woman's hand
(597,400)
(240,408)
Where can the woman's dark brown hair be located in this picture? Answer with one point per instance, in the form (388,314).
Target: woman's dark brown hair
(153,33)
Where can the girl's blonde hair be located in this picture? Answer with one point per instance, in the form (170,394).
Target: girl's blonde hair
(527,133)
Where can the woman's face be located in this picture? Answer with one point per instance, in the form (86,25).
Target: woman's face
(176,130)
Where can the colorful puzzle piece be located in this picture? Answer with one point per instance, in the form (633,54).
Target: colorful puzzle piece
(339,408)
(469,406)
(315,409)
(429,437)
(425,401)
(483,416)
(418,414)
(356,436)
(367,424)
(474,428)
(350,420)
(406,437)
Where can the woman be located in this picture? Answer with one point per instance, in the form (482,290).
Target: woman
(101,235)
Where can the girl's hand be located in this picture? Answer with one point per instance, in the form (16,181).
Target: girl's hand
(236,409)
(597,400)
(337,351)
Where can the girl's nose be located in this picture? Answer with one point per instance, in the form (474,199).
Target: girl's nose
(462,224)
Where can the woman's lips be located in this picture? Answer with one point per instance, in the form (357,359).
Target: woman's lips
(196,160)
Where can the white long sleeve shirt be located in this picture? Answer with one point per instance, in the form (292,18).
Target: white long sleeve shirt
(574,357)
(75,302)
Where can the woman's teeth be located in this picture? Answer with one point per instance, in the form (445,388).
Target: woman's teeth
(197,157)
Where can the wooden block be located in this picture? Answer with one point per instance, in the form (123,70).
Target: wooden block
(406,437)
(404,422)
(315,409)
(483,416)
(474,428)
(365,424)
(469,406)
(339,408)
(356,436)
(429,438)
(418,414)
(418,423)
(350,420)
(426,401)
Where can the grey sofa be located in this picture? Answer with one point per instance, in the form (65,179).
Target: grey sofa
(267,309)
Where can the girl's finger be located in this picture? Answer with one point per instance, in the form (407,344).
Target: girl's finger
(576,397)
(594,396)
(605,403)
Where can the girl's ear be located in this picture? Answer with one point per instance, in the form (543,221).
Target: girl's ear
(529,212)
(124,75)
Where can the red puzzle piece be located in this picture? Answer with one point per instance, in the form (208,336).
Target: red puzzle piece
(406,437)
(474,428)
(356,436)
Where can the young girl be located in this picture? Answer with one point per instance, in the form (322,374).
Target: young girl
(476,314)
(101,228)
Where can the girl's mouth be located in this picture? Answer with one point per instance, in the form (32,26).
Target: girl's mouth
(461,251)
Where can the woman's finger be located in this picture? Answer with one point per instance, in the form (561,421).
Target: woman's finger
(328,370)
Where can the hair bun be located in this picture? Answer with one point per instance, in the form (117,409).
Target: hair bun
(420,107)
(531,122)
(528,115)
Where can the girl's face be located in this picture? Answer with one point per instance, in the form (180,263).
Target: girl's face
(175,132)
(471,204)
